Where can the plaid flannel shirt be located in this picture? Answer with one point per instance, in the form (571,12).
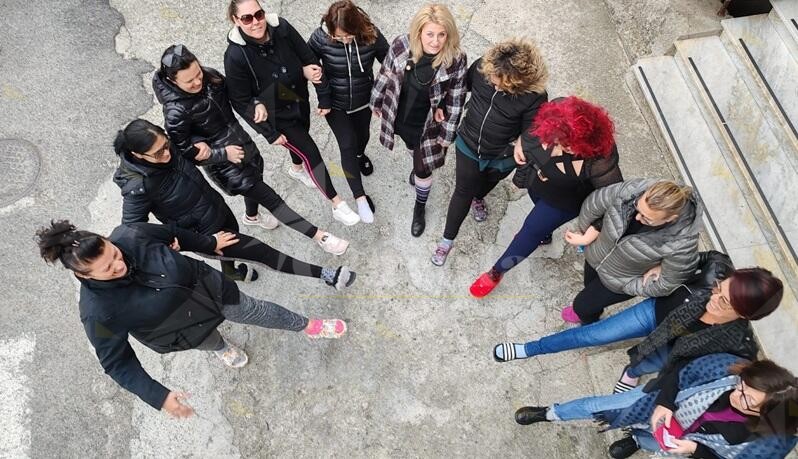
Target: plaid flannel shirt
(448,86)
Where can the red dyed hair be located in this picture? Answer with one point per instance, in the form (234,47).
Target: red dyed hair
(754,292)
(586,130)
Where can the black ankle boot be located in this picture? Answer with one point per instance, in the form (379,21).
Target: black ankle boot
(417,228)
(531,414)
(623,448)
(366,168)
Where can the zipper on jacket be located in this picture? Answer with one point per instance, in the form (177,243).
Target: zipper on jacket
(482,126)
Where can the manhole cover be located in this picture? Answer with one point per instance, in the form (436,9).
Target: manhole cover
(19,169)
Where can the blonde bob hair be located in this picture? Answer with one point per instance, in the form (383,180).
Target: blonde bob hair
(438,14)
(669,197)
(517,65)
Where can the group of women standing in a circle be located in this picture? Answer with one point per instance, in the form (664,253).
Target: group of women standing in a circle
(640,236)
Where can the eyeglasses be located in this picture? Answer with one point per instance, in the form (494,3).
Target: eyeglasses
(159,153)
(747,401)
(170,59)
(247,19)
(724,302)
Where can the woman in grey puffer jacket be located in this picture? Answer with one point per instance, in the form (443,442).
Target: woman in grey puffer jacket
(640,238)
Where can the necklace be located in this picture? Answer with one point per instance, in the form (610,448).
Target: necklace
(411,66)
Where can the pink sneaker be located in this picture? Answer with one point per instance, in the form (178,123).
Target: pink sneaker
(569,315)
(325,328)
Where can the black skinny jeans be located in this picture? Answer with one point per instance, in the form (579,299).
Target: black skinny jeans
(470,183)
(591,301)
(306,152)
(263,194)
(250,249)
(352,133)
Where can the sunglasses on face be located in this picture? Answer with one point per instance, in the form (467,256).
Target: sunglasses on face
(173,56)
(247,19)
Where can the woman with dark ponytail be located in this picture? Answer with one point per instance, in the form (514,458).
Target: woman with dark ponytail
(135,283)
(153,179)
(201,124)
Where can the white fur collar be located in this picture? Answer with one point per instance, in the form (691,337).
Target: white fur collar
(235,34)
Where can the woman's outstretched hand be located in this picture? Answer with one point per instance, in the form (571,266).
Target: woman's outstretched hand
(577,238)
(224,239)
(175,405)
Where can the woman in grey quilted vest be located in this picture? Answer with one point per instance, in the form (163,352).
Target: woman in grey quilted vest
(640,238)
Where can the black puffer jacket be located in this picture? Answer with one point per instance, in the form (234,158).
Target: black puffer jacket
(347,68)
(207,116)
(175,192)
(494,118)
(168,302)
(270,74)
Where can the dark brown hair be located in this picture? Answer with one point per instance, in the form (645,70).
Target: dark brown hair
(778,414)
(232,8)
(754,292)
(61,241)
(347,16)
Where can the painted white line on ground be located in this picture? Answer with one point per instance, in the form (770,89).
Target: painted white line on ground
(14,393)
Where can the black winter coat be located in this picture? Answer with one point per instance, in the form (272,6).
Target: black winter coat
(168,302)
(270,74)
(347,68)
(207,116)
(494,118)
(175,192)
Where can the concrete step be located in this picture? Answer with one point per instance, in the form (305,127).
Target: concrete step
(785,16)
(769,168)
(773,72)
(733,225)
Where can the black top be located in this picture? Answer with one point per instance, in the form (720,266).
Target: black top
(733,432)
(563,190)
(664,305)
(414,103)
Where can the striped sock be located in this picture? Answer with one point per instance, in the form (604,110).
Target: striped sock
(422,189)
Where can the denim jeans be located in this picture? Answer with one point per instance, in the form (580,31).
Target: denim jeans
(585,408)
(633,322)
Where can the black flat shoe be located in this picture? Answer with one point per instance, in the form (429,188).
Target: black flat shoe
(366,168)
(546,240)
(531,414)
(419,223)
(623,448)
(371,204)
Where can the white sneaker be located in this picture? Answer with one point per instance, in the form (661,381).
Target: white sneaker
(302,176)
(333,245)
(264,219)
(345,215)
(232,355)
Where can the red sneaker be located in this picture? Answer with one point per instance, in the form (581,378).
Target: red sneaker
(484,285)
(569,315)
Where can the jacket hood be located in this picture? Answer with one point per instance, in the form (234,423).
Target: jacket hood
(234,36)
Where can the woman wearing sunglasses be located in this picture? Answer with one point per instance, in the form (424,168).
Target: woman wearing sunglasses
(348,43)
(718,407)
(419,96)
(709,314)
(267,66)
(640,238)
(155,178)
(201,124)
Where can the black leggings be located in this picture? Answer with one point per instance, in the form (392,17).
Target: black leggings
(411,136)
(306,152)
(591,301)
(470,183)
(250,249)
(263,194)
(351,130)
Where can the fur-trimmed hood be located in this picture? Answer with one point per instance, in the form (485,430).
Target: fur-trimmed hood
(234,35)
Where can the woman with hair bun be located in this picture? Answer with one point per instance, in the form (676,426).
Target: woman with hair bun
(201,124)
(508,86)
(136,283)
(568,152)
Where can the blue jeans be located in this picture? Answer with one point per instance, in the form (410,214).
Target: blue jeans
(585,408)
(633,322)
(539,224)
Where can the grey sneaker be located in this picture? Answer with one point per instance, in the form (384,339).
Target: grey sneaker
(478,210)
(440,254)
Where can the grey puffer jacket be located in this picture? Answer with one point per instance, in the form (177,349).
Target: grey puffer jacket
(621,262)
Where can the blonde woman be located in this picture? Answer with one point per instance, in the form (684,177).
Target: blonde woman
(647,244)
(419,95)
(508,86)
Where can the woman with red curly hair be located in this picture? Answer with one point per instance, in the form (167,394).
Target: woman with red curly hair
(567,154)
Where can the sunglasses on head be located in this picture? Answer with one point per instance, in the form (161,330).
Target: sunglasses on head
(247,19)
(170,59)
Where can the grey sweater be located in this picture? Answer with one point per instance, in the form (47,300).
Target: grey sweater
(621,262)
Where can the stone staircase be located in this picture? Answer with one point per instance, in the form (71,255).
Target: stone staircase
(726,105)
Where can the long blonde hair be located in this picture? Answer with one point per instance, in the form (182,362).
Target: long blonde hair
(439,14)
(669,197)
